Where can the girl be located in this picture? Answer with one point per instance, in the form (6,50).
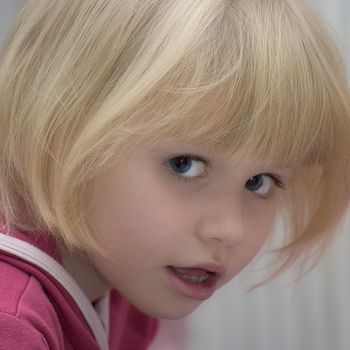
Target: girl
(146,149)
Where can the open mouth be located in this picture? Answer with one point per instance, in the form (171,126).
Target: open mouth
(193,275)
(194,283)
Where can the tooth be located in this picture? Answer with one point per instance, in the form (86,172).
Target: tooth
(204,278)
(195,279)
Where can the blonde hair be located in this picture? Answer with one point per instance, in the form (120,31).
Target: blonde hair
(82,81)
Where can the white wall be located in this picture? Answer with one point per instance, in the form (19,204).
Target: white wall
(8,9)
(337,12)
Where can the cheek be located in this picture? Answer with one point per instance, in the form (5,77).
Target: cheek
(256,235)
(258,227)
(137,222)
(260,215)
(262,225)
(263,222)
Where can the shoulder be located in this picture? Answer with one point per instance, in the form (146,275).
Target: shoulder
(13,284)
(27,317)
(21,293)
(16,333)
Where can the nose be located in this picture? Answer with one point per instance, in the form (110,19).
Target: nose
(223,223)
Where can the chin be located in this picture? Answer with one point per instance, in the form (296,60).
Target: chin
(171,311)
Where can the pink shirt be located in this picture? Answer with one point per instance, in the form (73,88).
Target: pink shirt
(36,312)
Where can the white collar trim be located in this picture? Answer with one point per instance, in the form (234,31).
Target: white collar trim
(38,258)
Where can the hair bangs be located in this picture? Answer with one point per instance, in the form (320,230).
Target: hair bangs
(266,96)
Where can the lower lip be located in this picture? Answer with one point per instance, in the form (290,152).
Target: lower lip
(197,291)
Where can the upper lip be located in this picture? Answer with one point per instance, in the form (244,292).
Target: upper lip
(213,267)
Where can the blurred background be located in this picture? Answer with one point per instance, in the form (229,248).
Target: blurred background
(313,314)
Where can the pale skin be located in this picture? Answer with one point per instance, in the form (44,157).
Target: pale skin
(180,205)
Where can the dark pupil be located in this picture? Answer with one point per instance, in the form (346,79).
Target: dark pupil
(181,164)
(254,183)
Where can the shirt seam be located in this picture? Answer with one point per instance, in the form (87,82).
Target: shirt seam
(21,295)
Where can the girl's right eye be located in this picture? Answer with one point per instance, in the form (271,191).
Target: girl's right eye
(187,166)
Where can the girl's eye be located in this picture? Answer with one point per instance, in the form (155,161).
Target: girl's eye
(262,184)
(187,166)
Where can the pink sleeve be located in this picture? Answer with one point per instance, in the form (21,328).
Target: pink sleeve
(17,334)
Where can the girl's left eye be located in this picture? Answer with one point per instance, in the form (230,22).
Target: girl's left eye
(262,184)
(187,166)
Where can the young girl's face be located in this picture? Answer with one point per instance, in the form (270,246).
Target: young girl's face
(180,221)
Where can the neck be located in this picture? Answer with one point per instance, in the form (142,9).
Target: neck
(83,272)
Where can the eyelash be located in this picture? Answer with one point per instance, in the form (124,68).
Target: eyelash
(276,179)
(277,182)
